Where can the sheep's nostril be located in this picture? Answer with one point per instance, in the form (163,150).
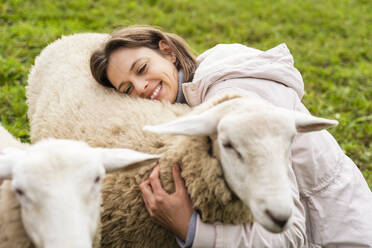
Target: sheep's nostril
(279,221)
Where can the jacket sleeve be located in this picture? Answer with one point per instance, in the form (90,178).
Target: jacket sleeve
(224,235)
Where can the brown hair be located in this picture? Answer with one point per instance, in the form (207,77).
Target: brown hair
(142,36)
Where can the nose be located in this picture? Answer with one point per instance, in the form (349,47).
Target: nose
(140,87)
(280,221)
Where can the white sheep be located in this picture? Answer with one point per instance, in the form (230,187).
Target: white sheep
(65,102)
(55,185)
(252,140)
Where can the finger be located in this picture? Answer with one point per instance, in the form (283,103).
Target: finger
(155,181)
(148,208)
(146,190)
(178,180)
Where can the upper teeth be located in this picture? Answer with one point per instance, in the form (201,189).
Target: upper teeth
(155,92)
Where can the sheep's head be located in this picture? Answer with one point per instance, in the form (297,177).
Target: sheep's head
(252,140)
(57,183)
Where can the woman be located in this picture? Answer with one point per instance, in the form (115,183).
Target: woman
(332,199)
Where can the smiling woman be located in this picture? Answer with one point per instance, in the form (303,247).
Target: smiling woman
(144,62)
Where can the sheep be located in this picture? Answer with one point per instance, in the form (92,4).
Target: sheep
(53,199)
(65,102)
(254,158)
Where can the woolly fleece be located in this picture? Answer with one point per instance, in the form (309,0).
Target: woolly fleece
(12,233)
(65,102)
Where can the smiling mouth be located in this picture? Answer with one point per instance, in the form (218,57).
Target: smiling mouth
(155,94)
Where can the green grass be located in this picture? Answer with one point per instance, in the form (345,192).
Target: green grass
(329,39)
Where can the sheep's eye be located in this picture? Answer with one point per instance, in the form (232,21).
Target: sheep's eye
(98,178)
(228,145)
(19,192)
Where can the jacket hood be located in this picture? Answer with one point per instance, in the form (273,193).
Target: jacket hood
(228,61)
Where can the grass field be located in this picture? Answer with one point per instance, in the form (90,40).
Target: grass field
(329,39)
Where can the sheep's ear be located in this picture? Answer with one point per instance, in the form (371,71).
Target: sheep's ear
(115,158)
(201,125)
(309,123)
(5,167)
(7,158)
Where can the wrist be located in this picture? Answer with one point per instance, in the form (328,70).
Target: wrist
(188,242)
(183,227)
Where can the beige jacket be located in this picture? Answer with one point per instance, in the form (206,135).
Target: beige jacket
(333,201)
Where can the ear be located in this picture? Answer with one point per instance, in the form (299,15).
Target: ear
(200,125)
(6,165)
(309,123)
(167,50)
(115,158)
(8,157)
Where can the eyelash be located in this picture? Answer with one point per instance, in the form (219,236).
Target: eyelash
(142,69)
(128,90)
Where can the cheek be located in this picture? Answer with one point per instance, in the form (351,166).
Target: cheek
(92,201)
(175,80)
(92,214)
(171,87)
(32,226)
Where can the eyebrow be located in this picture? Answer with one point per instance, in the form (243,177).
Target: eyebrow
(131,69)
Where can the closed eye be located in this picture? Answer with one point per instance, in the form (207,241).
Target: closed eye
(97,179)
(142,69)
(20,192)
(129,89)
(229,145)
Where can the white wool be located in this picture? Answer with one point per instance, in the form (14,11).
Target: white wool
(57,184)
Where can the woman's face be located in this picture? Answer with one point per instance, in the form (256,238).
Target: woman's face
(144,72)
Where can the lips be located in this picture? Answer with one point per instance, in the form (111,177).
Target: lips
(156,92)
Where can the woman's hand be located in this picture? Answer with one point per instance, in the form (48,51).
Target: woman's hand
(173,211)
